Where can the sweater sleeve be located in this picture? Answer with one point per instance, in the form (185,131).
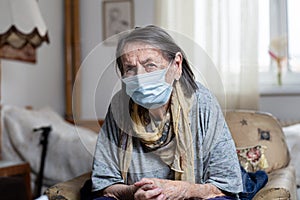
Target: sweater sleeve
(106,170)
(220,162)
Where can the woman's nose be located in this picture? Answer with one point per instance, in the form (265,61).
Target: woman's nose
(140,69)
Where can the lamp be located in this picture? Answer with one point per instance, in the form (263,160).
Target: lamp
(22,29)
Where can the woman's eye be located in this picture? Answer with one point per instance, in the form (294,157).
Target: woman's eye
(151,66)
(129,70)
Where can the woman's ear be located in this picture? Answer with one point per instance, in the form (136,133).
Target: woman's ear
(178,65)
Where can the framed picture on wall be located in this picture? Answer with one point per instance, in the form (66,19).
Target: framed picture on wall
(118,16)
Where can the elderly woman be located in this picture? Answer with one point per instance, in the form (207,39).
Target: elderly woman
(164,135)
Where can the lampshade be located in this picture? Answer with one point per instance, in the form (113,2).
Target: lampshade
(22,29)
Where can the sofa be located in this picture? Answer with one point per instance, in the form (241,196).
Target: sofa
(260,144)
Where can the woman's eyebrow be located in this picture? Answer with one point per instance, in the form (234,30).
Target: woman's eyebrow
(128,65)
(147,61)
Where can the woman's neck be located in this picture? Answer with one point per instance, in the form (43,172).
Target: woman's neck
(159,113)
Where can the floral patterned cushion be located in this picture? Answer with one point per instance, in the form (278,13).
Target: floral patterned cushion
(250,129)
(253,158)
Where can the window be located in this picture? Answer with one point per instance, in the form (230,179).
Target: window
(294,35)
(264,35)
(278,27)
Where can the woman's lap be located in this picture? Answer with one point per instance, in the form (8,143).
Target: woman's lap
(216,198)
(105,198)
(222,198)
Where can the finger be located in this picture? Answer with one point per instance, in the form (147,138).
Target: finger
(148,187)
(153,193)
(143,181)
(149,195)
(161,197)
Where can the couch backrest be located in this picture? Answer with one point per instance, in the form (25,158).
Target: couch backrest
(258,134)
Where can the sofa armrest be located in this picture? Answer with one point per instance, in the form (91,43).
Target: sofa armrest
(69,189)
(281,185)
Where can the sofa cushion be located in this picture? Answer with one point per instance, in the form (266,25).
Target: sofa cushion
(249,129)
(253,158)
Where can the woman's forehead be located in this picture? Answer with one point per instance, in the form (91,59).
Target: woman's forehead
(138,47)
(140,50)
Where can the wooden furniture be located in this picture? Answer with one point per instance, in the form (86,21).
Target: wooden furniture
(89,124)
(72,65)
(16,175)
(72,59)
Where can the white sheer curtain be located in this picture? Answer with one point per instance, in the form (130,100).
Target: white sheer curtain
(227,32)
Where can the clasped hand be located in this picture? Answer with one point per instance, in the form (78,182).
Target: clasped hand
(161,189)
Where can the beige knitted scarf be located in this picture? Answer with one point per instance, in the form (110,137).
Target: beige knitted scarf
(182,156)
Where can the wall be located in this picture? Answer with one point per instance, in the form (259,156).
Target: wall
(40,84)
(281,100)
(98,74)
(283,106)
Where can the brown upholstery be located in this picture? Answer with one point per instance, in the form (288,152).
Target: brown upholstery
(69,189)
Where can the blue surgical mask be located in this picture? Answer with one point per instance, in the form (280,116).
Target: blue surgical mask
(149,90)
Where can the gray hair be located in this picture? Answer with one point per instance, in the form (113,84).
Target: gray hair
(159,38)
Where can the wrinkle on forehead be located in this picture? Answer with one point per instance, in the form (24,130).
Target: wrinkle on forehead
(139,51)
(131,46)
